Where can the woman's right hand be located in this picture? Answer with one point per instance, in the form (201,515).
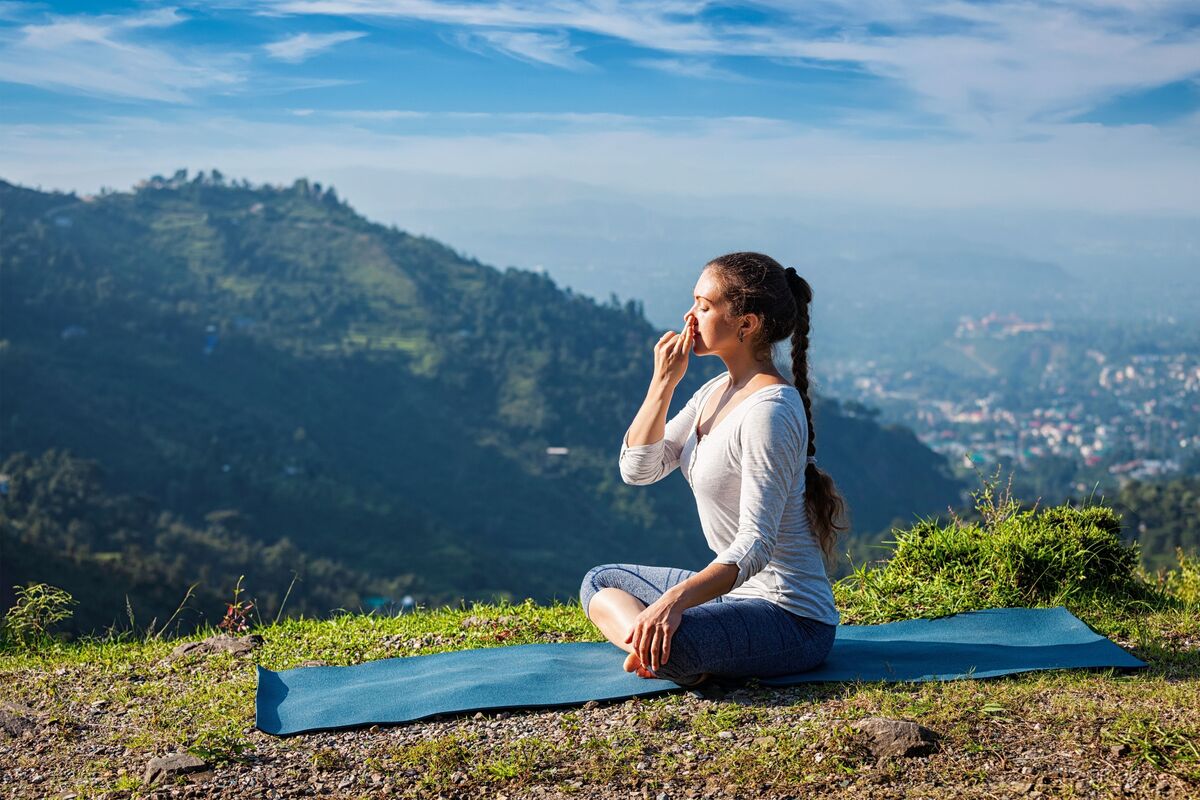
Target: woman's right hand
(671,355)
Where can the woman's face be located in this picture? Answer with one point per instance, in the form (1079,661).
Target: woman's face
(710,329)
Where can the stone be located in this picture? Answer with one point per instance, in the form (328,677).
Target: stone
(896,737)
(221,643)
(16,719)
(167,768)
(590,704)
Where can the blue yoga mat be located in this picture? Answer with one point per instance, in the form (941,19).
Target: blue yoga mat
(975,644)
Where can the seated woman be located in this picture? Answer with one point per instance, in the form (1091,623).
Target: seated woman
(744,441)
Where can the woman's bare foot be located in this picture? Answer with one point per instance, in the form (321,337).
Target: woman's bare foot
(634,664)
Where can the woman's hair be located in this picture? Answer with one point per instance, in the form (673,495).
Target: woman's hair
(753,283)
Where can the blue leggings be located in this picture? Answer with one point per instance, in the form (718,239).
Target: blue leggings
(733,637)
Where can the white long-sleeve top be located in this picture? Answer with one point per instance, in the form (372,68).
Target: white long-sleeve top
(747,475)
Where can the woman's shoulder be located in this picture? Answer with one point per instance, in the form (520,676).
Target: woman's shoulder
(771,410)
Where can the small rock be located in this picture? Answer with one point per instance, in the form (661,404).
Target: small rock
(764,741)
(896,737)
(478,715)
(16,719)
(221,643)
(725,735)
(591,704)
(1118,750)
(167,768)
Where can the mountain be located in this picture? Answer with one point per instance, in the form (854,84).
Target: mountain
(372,397)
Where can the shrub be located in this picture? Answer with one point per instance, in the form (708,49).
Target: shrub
(39,606)
(1063,555)
(1184,582)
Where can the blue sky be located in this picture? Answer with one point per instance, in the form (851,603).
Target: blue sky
(1087,107)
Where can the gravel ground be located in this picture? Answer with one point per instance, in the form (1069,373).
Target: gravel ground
(666,756)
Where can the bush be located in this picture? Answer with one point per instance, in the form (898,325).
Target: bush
(1184,582)
(1062,555)
(39,606)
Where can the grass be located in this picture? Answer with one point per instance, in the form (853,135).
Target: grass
(1146,722)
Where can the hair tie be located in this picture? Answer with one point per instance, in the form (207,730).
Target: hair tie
(812,459)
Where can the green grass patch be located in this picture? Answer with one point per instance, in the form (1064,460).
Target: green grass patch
(1070,556)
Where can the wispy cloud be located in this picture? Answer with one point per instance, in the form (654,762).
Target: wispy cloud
(295,49)
(97,55)
(499,117)
(987,69)
(554,49)
(690,68)
(1082,167)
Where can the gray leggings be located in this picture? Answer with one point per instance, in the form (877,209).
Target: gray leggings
(732,637)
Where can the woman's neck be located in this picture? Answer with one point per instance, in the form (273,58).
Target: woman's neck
(743,371)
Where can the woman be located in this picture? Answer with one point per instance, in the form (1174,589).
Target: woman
(746,447)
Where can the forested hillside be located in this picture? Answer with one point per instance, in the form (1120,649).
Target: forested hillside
(379,402)
(1162,516)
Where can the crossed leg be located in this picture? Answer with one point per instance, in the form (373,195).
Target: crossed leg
(615,610)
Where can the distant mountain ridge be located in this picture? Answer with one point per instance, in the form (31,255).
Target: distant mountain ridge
(372,396)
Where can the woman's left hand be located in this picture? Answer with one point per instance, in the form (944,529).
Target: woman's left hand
(652,631)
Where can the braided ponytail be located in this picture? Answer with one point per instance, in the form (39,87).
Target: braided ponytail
(824,503)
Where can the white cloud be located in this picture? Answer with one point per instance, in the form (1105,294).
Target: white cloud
(1136,168)
(554,49)
(986,69)
(95,55)
(690,68)
(500,118)
(297,48)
